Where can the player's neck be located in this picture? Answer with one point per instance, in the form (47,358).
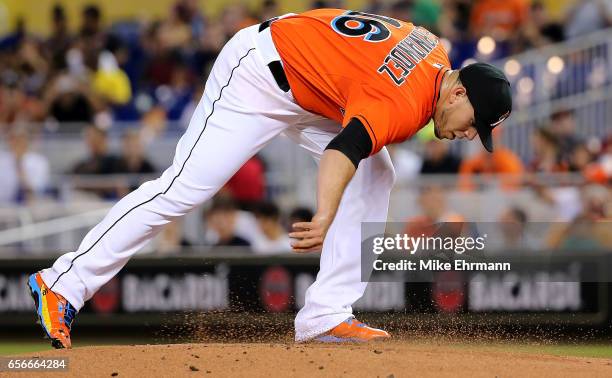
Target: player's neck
(449,80)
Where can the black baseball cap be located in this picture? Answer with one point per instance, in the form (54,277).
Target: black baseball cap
(488,90)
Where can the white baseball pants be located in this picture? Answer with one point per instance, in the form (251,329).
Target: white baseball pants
(241,110)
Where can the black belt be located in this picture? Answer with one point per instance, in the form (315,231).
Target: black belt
(276,67)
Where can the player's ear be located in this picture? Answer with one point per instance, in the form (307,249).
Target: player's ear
(458,93)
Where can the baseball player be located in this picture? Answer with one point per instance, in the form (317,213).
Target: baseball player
(342,85)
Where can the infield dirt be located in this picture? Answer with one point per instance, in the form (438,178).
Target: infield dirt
(388,359)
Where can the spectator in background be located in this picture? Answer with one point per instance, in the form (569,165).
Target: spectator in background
(426,13)
(538,29)
(502,161)
(595,202)
(221,219)
(439,158)
(10,41)
(132,158)
(513,222)
(563,126)
(579,158)
(159,59)
(31,65)
(588,16)
(153,124)
(16,106)
(234,18)
(499,19)
(92,37)
(589,229)
(132,162)
(248,185)
(209,46)
(546,152)
(91,21)
(269,9)
(70,101)
(454,19)
(99,161)
(25,174)
(401,10)
(176,96)
(192,14)
(274,238)
(11,98)
(299,214)
(60,40)
(110,82)
(514,235)
(579,236)
(549,31)
(170,240)
(175,31)
(434,210)
(600,171)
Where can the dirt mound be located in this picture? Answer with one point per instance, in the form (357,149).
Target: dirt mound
(395,358)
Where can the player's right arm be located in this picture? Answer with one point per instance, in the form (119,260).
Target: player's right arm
(373,119)
(336,169)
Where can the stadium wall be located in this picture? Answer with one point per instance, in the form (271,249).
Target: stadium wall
(161,290)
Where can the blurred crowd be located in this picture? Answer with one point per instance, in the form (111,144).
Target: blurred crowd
(151,74)
(259,227)
(581,202)
(580,226)
(556,147)
(245,214)
(153,71)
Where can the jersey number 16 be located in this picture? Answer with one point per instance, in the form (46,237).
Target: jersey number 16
(372,27)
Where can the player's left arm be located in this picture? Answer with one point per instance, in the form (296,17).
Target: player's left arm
(336,169)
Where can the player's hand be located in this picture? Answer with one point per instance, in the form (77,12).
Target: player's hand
(309,236)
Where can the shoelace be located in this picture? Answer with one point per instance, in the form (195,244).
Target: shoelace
(350,321)
(69,315)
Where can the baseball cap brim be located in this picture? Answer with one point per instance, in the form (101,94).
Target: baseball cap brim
(485,132)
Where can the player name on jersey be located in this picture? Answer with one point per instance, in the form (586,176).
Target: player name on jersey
(402,59)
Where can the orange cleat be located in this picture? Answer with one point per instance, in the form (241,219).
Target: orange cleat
(55,314)
(352,330)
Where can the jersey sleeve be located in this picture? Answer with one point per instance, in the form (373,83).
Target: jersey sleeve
(386,119)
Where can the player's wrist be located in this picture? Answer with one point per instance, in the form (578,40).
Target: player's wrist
(323,215)
(323,219)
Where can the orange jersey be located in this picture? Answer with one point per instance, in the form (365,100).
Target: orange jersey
(343,65)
